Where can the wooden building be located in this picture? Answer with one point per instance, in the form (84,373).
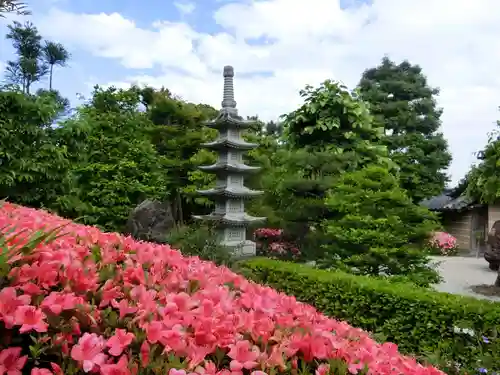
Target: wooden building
(465,219)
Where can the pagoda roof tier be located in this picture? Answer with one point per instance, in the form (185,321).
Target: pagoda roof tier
(231,192)
(227,119)
(229,167)
(239,219)
(225,143)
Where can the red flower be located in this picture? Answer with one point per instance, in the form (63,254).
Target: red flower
(119,341)
(30,319)
(88,351)
(11,361)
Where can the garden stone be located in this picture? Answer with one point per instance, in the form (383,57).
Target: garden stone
(151,221)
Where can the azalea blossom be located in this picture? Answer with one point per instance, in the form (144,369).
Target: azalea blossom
(11,361)
(119,341)
(106,304)
(88,351)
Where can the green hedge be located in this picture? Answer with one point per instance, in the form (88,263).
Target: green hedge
(419,320)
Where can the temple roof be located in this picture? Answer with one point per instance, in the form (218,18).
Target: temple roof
(229,167)
(237,219)
(445,202)
(225,142)
(231,192)
(227,119)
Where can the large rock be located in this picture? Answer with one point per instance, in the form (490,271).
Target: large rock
(151,221)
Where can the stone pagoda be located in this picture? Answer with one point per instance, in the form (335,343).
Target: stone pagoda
(230,193)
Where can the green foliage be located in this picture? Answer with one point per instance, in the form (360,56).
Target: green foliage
(54,54)
(13,6)
(334,118)
(29,67)
(483,180)
(115,164)
(11,249)
(177,138)
(200,241)
(402,102)
(34,60)
(374,226)
(331,133)
(33,166)
(422,322)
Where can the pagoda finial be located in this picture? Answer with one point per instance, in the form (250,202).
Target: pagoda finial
(228,101)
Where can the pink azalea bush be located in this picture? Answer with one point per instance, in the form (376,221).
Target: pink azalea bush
(443,243)
(270,243)
(85,301)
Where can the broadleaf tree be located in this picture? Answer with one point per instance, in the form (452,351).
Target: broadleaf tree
(33,166)
(115,164)
(331,133)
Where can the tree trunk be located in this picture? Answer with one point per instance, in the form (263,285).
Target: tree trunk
(497,281)
(179,207)
(50,77)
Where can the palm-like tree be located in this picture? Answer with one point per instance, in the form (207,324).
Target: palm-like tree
(29,67)
(13,6)
(54,54)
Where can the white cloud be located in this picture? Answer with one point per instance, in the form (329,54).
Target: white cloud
(185,8)
(457,43)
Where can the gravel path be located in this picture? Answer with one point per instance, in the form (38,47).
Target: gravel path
(460,273)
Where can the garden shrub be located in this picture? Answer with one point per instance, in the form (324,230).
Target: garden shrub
(272,243)
(375,228)
(428,323)
(84,301)
(442,243)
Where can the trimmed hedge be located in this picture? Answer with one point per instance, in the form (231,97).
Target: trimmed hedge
(422,322)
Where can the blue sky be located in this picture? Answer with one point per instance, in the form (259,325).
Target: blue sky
(279,46)
(85,69)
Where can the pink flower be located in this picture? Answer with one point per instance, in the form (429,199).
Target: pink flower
(323,369)
(41,371)
(119,368)
(56,368)
(30,318)
(56,302)
(181,306)
(144,353)
(119,341)
(9,302)
(243,355)
(11,362)
(88,350)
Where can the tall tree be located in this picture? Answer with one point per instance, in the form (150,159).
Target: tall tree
(54,54)
(114,163)
(13,6)
(405,105)
(62,104)
(33,167)
(29,66)
(331,133)
(177,137)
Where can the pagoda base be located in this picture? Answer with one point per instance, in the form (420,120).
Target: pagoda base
(241,249)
